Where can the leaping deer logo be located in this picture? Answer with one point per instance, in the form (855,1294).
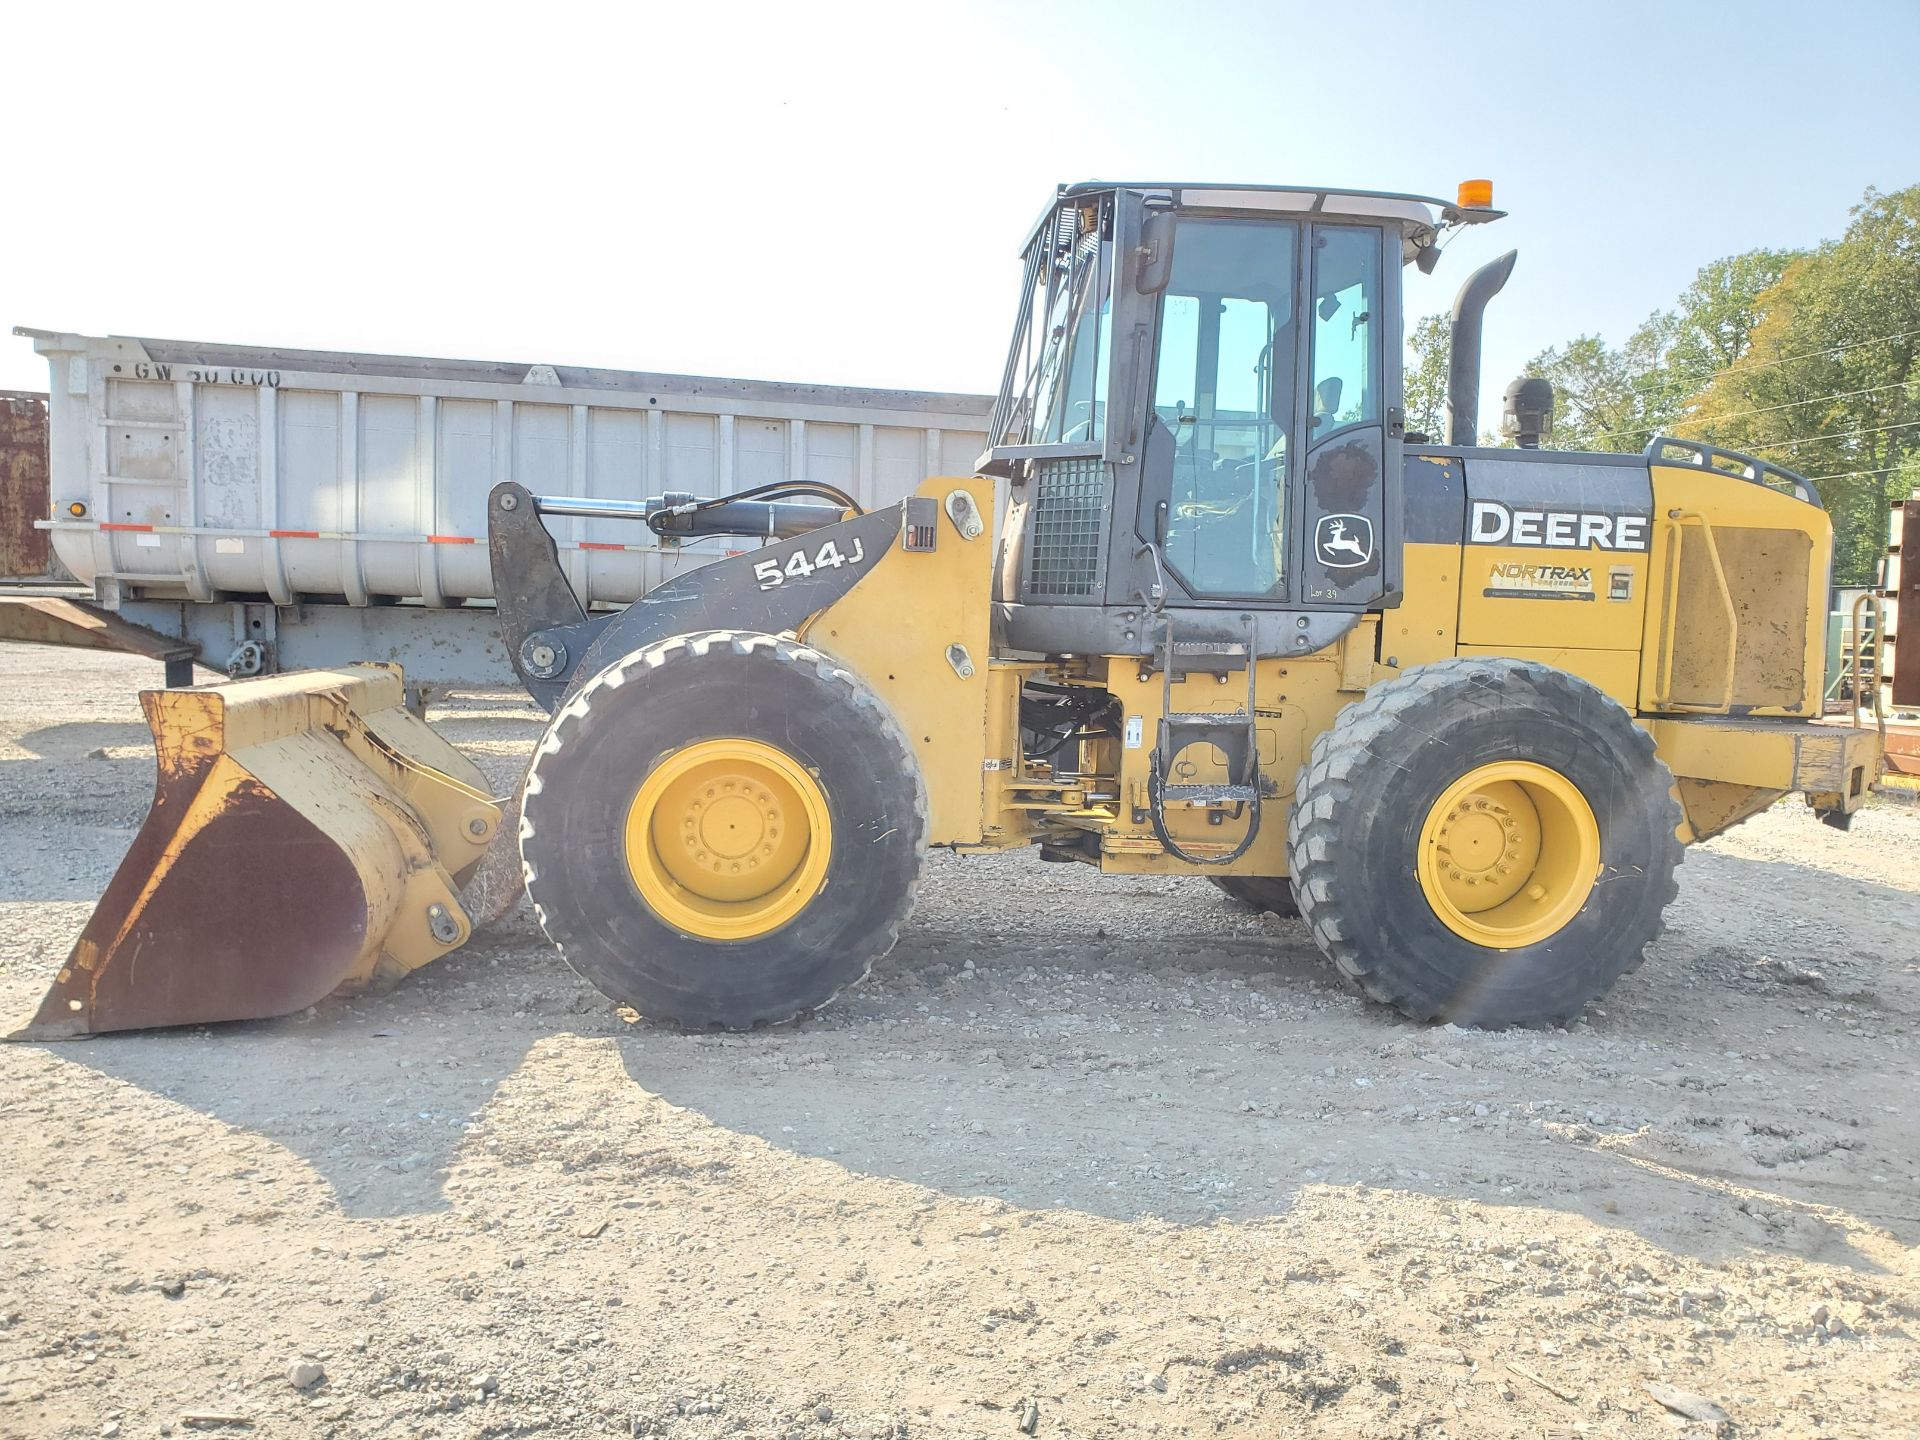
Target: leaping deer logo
(1341,550)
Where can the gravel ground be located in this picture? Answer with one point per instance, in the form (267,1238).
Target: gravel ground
(1088,1156)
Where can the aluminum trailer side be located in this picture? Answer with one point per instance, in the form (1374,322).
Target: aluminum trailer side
(293,508)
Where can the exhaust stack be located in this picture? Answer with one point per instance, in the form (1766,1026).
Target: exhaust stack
(1463,360)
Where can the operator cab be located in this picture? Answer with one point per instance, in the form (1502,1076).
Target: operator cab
(1200,415)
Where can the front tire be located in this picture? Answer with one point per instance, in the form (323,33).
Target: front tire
(723,829)
(1485,841)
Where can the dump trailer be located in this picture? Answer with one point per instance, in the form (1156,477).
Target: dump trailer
(1460,708)
(264,508)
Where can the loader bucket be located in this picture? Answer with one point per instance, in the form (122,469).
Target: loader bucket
(308,837)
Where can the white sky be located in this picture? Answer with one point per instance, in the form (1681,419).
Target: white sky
(837,193)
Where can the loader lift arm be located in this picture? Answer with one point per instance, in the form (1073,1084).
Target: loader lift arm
(556,645)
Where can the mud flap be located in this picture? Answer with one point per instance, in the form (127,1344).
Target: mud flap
(308,837)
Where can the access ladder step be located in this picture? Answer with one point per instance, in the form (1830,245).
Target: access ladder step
(1220,657)
(1209,794)
(1196,718)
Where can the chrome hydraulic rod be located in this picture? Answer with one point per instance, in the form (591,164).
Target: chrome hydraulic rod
(678,514)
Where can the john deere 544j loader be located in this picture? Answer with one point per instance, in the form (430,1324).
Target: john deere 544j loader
(1461,707)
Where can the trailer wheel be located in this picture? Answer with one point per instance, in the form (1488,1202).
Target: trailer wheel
(1269,894)
(723,828)
(1486,841)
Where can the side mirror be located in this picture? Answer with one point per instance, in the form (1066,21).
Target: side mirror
(1156,254)
(1326,398)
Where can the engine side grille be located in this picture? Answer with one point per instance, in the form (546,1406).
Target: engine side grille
(1066,541)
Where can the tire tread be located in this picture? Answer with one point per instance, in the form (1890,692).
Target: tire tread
(1362,733)
(681,649)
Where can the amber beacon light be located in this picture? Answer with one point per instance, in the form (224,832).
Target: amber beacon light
(1476,195)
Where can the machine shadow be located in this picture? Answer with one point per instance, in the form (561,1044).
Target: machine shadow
(86,788)
(78,739)
(1192,1078)
(377,1095)
(1216,1104)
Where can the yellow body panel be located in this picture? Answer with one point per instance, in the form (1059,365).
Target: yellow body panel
(1617,672)
(1714,805)
(895,630)
(1296,699)
(1823,760)
(1423,627)
(1530,596)
(1739,583)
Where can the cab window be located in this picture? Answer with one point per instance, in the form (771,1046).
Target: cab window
(1223,386)
(1346,289)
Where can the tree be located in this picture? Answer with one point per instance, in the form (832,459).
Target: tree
(1828,386)
(1428,346)
(1618,399)
(1601,396)
(1712,326)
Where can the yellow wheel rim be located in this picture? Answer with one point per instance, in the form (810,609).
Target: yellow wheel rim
(1508,854)
(728,839)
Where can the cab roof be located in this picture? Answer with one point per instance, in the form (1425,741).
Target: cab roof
(1311,199)
(1420,216)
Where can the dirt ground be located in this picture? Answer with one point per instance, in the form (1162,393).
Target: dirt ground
(1087,1156)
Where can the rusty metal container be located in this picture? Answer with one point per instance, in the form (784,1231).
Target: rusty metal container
(24,493)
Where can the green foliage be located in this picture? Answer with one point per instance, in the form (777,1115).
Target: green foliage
(1426,376)
(1712,326)
(1618,399)
(1828,386)
(1603,398)
(1807,359)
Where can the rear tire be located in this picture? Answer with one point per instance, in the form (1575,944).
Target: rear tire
(1269,894)
(681,765)
(1485,841)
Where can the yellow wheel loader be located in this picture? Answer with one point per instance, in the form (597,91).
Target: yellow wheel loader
(1460,708)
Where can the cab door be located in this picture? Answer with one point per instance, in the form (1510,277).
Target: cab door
(1351,431)
(1272,418)
(1220,456)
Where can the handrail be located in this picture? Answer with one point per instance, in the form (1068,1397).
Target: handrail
(1854,666)
(1702,456)
(1671,617)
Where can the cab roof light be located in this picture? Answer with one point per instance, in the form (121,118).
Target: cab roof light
(1473,205)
